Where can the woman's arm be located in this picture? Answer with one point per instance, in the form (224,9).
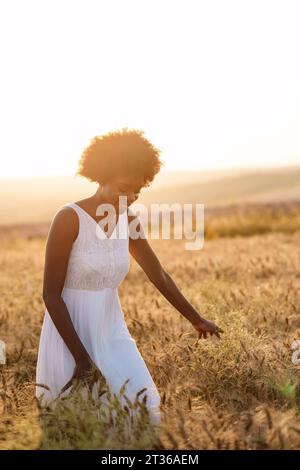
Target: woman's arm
(63,232)
(147,259)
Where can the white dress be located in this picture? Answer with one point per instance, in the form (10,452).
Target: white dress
(97,265)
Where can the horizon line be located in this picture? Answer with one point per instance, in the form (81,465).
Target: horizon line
(165,171)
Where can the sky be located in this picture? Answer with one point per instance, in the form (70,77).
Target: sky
(213,84)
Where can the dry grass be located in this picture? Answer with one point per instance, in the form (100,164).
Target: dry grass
(239,393)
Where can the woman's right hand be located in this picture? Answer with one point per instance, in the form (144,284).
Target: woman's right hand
(85,370)
(203,326)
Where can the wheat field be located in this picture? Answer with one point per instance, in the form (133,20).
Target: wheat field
(241,392)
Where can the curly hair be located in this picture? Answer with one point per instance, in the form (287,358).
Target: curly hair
(120,152)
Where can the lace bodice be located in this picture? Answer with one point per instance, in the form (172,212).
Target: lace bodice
(97,261)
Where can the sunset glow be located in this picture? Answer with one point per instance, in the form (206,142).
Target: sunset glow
(214,84)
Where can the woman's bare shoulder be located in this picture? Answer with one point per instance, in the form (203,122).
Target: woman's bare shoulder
(65,223)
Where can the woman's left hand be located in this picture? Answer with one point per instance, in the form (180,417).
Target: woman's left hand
(203,327)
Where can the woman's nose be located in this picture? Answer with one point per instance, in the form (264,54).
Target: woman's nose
(131,197)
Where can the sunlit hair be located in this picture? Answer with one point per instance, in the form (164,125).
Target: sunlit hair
(119,153)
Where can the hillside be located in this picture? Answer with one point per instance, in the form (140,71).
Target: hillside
(34,200)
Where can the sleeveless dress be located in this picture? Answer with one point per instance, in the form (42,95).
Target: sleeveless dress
(97,265)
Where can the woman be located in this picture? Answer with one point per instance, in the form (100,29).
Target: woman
(84,328)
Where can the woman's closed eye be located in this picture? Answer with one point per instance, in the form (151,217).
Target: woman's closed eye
(125,190)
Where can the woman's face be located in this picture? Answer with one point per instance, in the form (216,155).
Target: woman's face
(129,186)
